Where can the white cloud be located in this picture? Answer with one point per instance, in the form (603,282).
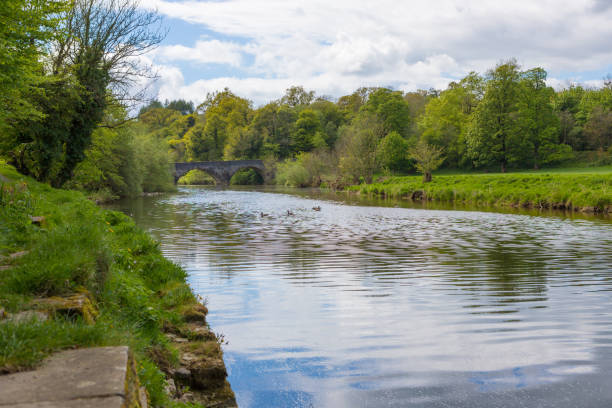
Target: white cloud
(204,52)
(336,46)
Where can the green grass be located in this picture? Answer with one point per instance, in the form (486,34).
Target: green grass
(80,246)
(586,189)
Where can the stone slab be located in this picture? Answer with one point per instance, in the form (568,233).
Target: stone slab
(90,373)
(108,402)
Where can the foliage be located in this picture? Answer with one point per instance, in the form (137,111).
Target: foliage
(27,27)
(124,162)
(446,119)
(196,177)
(292,174)
(246,177)
(391,108)
(392,152)
(357,147)
(297,96)
(92,60)
(428,158)
(494,126)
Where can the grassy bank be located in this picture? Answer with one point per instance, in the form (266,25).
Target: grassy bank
(588,190)
(79,248)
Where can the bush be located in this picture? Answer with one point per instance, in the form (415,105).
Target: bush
(246,177)
(292,174)
(196,177)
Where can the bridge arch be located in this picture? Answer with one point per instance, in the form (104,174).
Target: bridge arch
(221,171)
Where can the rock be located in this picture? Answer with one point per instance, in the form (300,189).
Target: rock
(183,375)
(199,332)
(79,304)
(26,316)
(195,313)
(208,373)
(170,387)
(18,254)
(143,398)
(187,358)
(104,402)
(37,220)
(93,378)
(176,339)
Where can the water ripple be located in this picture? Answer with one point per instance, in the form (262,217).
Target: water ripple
(366,306)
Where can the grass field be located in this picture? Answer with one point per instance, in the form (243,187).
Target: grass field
(580,189)
(80,247)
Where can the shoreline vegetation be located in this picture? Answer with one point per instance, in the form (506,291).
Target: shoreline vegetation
(584,190)
(73,275)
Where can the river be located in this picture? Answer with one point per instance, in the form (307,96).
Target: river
(371,304)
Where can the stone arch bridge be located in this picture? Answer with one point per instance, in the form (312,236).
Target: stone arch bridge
(221,171)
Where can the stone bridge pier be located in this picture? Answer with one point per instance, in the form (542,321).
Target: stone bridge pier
(221,171)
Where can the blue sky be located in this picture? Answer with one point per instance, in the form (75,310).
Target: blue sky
(258,48)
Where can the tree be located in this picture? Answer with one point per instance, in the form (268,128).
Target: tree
(447,117)
(223,113)
(494,126)
(306,127)
(180,105)
(351,104)
(392,152)
(243,143)
(391,108)
(598,129)
(427,157)
(275,124)
(331,118)
(95,62)
(297,96)
(26,30)
(539,127)
(357,147)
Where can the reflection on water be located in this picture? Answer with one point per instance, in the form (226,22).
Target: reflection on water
(370,306)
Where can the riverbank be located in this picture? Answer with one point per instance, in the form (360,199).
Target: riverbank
(588,190)
(73,275)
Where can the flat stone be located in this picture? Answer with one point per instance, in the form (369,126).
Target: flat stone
(37,220)
(79,304)
(26,316)
(87,374)
(105,402)
(18,254)
(142,398)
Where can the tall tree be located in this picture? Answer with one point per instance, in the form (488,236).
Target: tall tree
(494,123)
(296,96)
(538,124)
(391,108)
(28,26)
(447,117)
(96,60)
(357,147)
(306,127)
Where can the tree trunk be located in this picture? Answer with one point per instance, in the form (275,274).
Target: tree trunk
(426,177)
(503,167)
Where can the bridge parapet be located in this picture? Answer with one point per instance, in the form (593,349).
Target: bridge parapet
(221,171)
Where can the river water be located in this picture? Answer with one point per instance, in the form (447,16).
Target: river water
(367,304)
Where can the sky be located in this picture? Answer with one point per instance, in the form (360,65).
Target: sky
(259,48)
